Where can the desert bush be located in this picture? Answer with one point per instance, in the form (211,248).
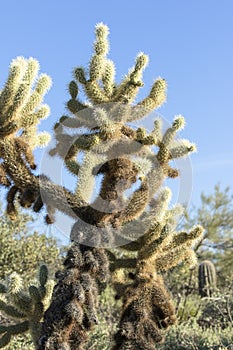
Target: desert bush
(190,336)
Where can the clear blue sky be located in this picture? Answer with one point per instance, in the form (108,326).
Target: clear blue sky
(190,44)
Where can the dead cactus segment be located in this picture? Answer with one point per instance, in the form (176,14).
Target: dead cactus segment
(147,309)
(76,294)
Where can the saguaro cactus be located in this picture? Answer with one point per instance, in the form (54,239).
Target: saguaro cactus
(122,217)
(206,278)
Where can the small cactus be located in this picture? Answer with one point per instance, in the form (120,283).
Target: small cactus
(206,278)
(25,308)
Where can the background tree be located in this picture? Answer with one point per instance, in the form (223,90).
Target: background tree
(22,250)
(215,214)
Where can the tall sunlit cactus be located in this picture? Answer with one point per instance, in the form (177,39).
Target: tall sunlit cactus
(137,221)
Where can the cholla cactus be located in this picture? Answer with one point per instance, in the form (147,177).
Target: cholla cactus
(21,110)
(147,305)
(25,308)
(140,223)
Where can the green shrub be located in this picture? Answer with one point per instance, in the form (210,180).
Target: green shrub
(189,335)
